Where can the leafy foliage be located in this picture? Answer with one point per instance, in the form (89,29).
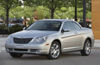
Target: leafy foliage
(15,28)
(9,3)
(63,8)
(19,12)
(43,12)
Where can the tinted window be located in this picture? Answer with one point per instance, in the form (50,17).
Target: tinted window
(68,25)
(45,25)
(77,27)
(71,25)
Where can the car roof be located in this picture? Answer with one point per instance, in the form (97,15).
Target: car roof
(62,20)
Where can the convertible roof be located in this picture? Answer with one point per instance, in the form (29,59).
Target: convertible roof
(62,20)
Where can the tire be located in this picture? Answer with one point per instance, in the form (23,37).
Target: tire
(55,50)
(86,49)
(16,55)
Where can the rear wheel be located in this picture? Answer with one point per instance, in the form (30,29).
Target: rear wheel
(87,48)
(16,55)
(55,50)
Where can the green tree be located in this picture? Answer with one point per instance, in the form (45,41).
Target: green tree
(19,12)
(7,5)
(43,12)
(2,13)
(52,5)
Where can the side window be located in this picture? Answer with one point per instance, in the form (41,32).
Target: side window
(68,25)
(77,27)
(71,25)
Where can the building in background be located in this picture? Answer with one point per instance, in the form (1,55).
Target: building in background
(96,18)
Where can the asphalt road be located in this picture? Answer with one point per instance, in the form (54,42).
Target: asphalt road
(2,43)
(72,58)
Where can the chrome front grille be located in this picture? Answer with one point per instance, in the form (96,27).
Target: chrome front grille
(22,40)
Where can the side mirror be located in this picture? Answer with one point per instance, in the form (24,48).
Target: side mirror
(24,28)
(65,30)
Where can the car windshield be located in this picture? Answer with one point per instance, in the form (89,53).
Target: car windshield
(45,25)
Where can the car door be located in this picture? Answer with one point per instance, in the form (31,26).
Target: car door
(70,38)
(79,34)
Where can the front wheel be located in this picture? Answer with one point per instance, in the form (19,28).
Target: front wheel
(55,50)
(16,55)
(87,48)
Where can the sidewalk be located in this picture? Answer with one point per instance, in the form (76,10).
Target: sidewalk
(3,35)
(97,43)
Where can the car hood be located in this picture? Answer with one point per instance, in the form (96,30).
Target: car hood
(32,33)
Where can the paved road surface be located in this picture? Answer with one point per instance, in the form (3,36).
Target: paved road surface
(73,58)
(2,43)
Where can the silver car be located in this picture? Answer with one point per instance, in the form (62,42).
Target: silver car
(51,37)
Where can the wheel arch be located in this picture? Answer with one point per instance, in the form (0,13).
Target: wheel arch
(59,42)
(88,38)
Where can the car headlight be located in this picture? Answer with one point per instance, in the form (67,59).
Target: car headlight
(9,39)
(39,39)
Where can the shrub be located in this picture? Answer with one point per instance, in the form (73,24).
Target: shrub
(3,29)
(15,28)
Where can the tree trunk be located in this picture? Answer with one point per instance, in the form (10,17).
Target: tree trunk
(52,9)
(84,13)
(52,13)
(75,10)
(7,17)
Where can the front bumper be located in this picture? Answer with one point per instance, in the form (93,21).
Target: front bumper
(27,48)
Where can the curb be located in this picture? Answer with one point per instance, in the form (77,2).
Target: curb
(96,48)
(97,44)
(3,35)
